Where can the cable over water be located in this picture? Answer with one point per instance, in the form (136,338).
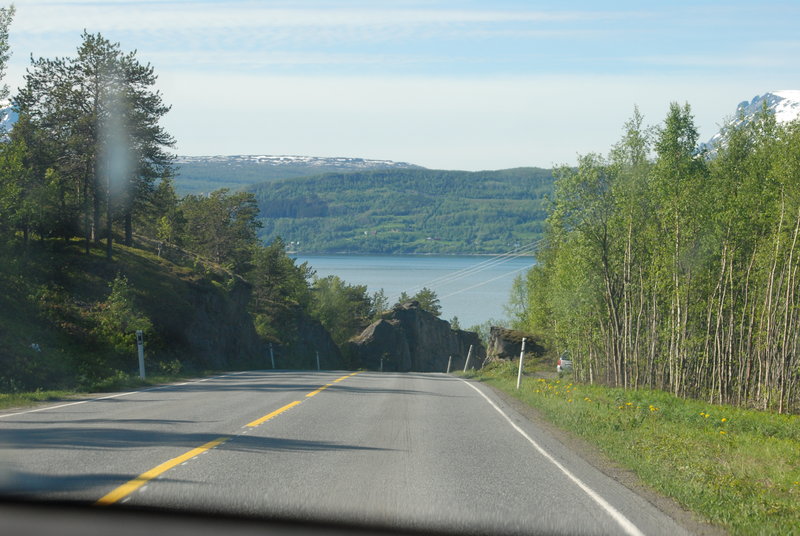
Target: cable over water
(515,253)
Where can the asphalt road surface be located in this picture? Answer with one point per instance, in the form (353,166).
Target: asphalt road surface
(416,451)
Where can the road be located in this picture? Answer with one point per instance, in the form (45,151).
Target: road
(406,450)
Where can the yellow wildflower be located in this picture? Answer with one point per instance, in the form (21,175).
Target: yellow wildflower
(723,419)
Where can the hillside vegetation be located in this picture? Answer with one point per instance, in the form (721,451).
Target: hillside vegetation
(93,251)
(407,211)
(665,269)
(68,320)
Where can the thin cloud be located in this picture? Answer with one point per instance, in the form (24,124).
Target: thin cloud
(43,17)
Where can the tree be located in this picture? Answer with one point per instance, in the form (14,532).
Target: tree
(379,303)
(280,289)
(161,217)
(343,309)
(222,227)
(427,298)
(6,16)
(102,114)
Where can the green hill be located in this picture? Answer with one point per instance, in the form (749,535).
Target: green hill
(204,174)
(407,210)
(67,319)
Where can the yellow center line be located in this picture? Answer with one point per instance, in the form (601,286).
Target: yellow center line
(268,416)
(132,485)
(312,393)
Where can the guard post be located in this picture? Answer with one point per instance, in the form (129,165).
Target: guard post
(140,348)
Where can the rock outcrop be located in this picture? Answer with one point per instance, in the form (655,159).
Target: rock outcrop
(409,338)
(507,344)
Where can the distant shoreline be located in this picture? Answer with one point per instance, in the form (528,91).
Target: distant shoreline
(367,254)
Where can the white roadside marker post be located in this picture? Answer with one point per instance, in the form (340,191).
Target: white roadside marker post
(140,348)
(449,360)
(272,356)
(318,361)
(521,357)
(469,354)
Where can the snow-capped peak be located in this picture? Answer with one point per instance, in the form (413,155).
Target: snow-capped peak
(788,107)
(294,161)
(784,104)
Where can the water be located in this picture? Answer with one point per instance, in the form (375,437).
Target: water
(474,289)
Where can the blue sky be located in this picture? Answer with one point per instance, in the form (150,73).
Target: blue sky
(445,84)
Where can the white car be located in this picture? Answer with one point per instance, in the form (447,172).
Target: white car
(564,364)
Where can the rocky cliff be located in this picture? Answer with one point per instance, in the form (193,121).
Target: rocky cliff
(507,344)
(206,317)
(409,338)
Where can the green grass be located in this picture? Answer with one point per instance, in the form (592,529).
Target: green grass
(117,382)
(16,400)
(735,467)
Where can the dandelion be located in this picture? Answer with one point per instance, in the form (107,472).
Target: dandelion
(723,432)
(587,399)
(622,407)
(628,403)
(702,414)
(570,400)
(706,415)
(723,419)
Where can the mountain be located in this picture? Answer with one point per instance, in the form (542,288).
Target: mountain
(7,117)
(784,104)
(407,210)
(198,174)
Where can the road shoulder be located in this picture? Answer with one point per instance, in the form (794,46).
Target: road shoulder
(596,458)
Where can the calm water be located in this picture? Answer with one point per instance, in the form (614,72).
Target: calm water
(474,289)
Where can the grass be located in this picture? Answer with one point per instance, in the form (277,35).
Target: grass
(735,467)
(117,382)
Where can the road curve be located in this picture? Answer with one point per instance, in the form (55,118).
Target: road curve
(408,450)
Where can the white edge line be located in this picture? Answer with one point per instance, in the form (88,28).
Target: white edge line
(3,416)
(623,521)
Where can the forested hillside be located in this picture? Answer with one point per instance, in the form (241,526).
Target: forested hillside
(407,211)
(668,270)
(96,244)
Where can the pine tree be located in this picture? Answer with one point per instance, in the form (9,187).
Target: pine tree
(102,114)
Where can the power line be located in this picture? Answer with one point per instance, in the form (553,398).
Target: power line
(486,282)
(484,265)
(497,261)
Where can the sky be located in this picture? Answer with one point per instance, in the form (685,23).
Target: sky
(443,84)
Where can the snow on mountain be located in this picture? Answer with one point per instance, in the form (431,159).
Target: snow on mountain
(7,117)
(295,161)
(785,104)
